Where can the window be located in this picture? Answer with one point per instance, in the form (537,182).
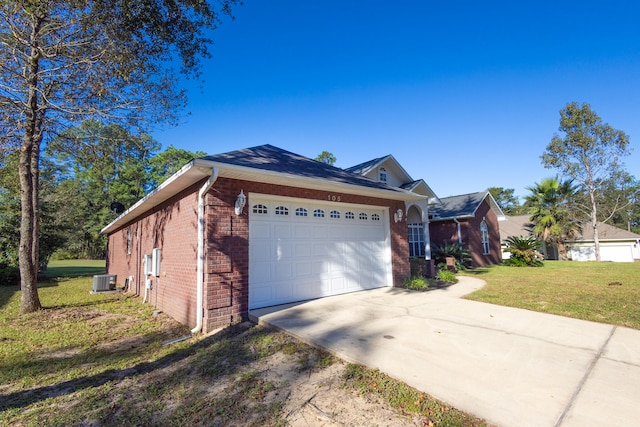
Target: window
(282,210)
(484,231)
(334,214)
(362,216)
(375,217)
(259,209)
(349,215)
(301,212)
(129,241)
(318,213)
(416,240)
(383,175)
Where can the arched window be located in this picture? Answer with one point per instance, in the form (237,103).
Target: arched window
(282,210)
(259,209)
(301,212)
(484,231)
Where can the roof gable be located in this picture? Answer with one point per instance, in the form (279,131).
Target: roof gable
(370,169)
(464,206)
(421,187)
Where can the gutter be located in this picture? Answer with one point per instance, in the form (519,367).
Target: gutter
(200,261)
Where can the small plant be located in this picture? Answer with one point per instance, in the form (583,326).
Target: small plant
(448,276)
(524,252)
(452,250)
(416,283)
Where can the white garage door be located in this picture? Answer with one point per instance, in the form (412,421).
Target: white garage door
(302,249)
(616,253)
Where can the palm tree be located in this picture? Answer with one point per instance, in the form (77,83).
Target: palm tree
(550,206)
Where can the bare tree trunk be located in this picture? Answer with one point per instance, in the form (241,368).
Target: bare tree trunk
(562,250)
(28,229)
(594,224)
(28,171)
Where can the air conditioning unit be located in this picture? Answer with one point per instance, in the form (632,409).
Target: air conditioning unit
(104,282)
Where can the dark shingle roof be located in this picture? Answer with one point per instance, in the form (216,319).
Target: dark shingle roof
(274,159)
(461,206)
(362,168)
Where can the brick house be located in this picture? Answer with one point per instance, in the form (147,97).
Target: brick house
(258,227)
(472,220)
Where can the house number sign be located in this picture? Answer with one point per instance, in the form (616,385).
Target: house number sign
(333,198)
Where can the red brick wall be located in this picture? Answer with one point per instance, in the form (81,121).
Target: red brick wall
(173,227)
(447,232)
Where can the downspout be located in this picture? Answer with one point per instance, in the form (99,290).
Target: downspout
(200,262)
(459,232)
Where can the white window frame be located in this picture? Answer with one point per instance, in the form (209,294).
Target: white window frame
(484,232)
(416,240)
(382,175)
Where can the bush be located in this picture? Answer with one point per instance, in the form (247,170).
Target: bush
(524,252)
(452,250)
(446,276)
(416,283)
(9,276)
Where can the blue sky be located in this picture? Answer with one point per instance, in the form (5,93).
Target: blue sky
(464,94)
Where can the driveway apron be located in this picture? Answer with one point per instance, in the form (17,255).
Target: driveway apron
(509,366)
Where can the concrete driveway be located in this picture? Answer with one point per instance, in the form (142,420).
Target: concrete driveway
(509,366)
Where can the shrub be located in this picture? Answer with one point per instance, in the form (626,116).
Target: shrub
(446,276)
(416,283)
(9,276)
(524,252)
(454,250)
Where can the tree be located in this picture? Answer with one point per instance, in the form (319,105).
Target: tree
(506,199)
(590,153)
(101,165)
(551,206)
(619,201)
(326,158)
(53,225)
(165,164)
(64,61)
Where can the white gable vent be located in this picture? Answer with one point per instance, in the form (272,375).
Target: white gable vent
(104,282)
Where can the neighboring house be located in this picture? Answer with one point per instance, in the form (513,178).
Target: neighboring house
(259,227)
(472,220)
(615,244)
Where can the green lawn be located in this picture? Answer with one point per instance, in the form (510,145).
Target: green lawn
(605,292)
(75,268)
(99,359)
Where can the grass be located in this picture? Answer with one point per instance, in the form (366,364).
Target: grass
(406,399)
(75,268)
(100,360)
(603,292)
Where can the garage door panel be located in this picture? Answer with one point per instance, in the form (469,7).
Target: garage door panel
(296,257)
(284,270)
(282,231)
(304,269)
